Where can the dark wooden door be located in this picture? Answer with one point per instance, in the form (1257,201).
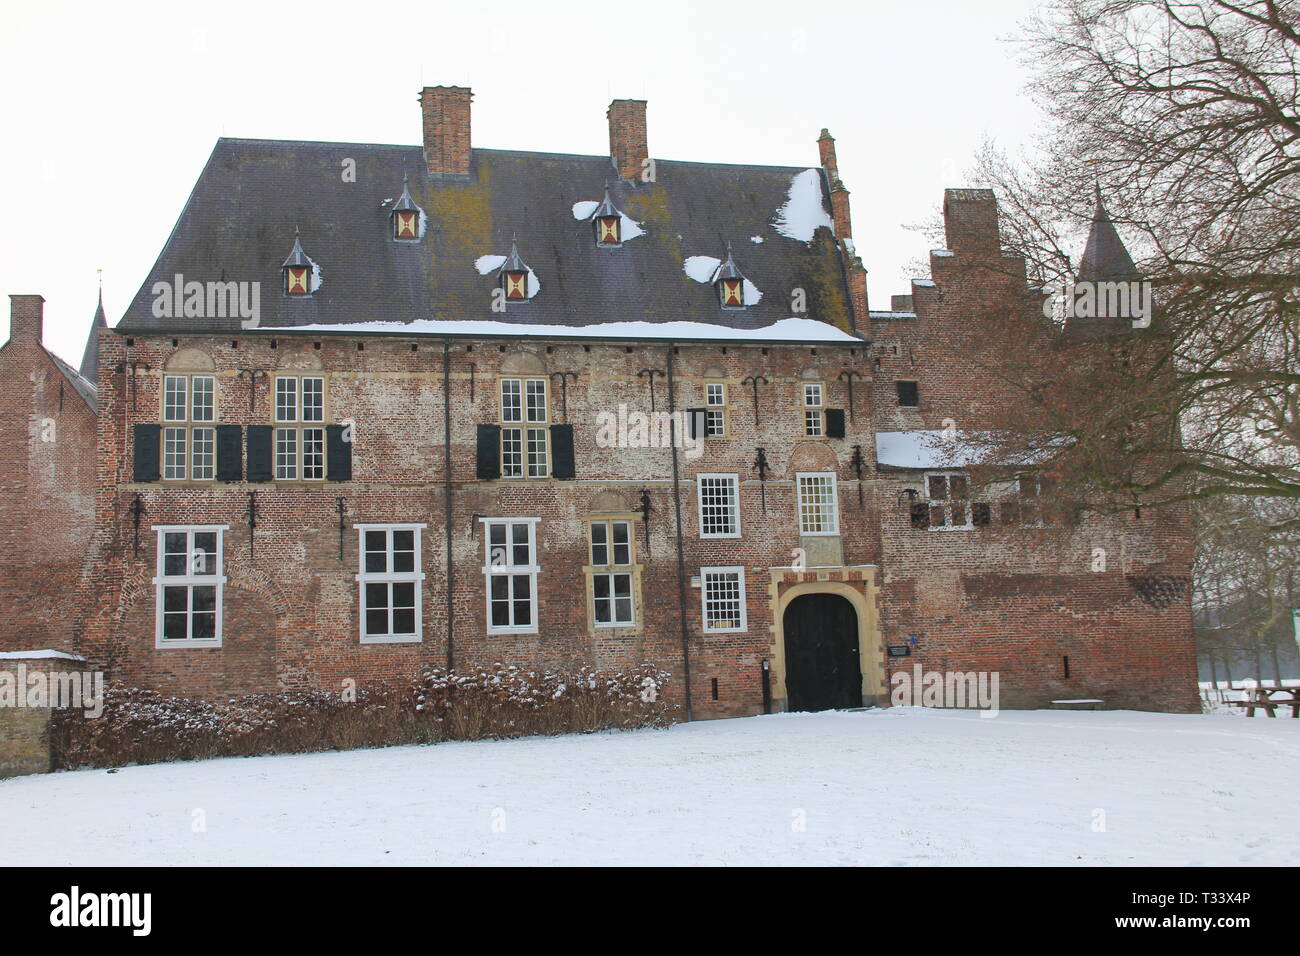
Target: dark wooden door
(822,669)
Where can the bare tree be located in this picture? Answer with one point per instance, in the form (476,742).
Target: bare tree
(1184,116)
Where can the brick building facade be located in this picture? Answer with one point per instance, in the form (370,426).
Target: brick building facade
(556,410)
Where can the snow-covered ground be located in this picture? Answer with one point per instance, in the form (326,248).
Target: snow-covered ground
(898,786)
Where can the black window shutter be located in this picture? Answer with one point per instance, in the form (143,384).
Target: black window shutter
(259,453)
(230,454)
(695,422)
(338,454)
(147,452)
(488,464)
(562,463)
(834,423)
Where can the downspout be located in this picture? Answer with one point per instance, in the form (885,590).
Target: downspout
(681,554)
(446,485)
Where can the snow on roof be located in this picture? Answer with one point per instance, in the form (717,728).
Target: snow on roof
(701,268)
(928,283)
(892,315)
(785,330)
(924,448)
(38,655)
(939,448)
(803,211)
(942,253)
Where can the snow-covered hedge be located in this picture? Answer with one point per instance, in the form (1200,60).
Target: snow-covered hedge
(141,726)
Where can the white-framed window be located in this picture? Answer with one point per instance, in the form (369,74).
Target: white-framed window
(814,422)
(715,410)
(391,583)
(719,505)
(722,597)
(612,573)
(510,569)
(189,445)
(525,439)
(188,583)
(299,436)
(818,503)
(948,493)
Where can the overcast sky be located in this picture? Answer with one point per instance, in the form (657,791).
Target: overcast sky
(111,109)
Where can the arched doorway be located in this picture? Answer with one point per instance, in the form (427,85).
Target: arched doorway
(823,670)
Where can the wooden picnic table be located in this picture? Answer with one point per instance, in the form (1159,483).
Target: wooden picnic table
(1262,698)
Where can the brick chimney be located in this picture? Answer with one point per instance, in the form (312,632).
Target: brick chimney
(26,318)
(446,129)
(627,137)
(970,222)
(826,149)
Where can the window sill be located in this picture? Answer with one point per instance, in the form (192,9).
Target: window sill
(393,639)
(166,645)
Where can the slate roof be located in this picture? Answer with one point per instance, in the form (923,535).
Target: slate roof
(1104,257)
(239,223)
(90,358)
(82,385)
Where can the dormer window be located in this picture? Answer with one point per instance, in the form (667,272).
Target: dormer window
(730,284)
(406,217)
(514,276)
(404,225)
(301,276)
(733,295)
(608,222)
(296,278)
(607,231)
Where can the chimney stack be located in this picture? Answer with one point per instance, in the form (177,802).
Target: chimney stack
(26,318)
(446,129)
(826,149)
(970,222)
(627,137)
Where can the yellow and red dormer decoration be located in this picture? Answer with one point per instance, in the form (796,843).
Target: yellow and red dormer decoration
(406,216)
(608,222)
(514,276)
(298,270)
(730,284)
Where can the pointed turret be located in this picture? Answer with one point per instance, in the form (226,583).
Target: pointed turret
(90,358)
(1104,257)
(1109,297)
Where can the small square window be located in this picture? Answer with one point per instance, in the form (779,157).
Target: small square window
(908,394)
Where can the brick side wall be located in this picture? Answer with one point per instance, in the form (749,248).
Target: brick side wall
(47,487)
(1011,599)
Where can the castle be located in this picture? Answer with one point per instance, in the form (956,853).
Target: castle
(378,408)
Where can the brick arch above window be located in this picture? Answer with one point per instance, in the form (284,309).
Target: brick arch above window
(812,456)
(609,502)
(811,374)
(522,363)
(189,360)
(300,360)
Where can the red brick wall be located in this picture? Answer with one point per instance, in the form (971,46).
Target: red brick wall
(292,602)
(47,482)
(1015,600)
